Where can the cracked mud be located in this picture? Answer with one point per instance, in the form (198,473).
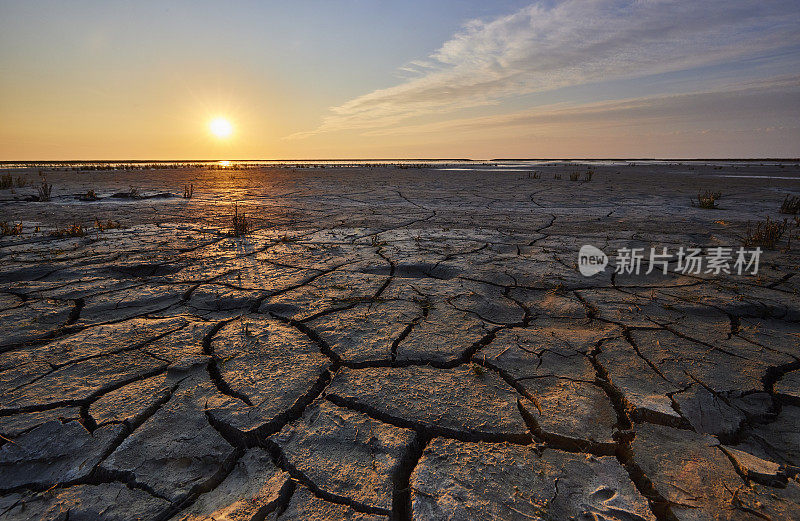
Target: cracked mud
(395,343)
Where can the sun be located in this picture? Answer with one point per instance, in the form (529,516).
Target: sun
(220,127)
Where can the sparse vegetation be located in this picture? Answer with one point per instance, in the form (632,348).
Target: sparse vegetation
(89,196)
(574,176)
(44,191)
(556,176)
(790,205)
(188,191)
(6,181)
(21,182)
(588,176)
(76,230)
(240,225)
(10,229)
(707,200)
(106,225)
(766,234)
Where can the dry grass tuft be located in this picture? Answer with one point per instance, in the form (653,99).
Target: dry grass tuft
(707,200)
(240,223)
(44,191)
(790,205)
(188,191)
(107,225)
(766,234)
(10,229)
(477,369)
(89,196)
(6,181)
(575,176)
(76,230)
(588,176)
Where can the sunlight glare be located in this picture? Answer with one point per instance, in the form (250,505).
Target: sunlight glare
(220,127)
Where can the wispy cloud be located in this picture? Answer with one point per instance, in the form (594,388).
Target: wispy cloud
(774,99)
(543,47)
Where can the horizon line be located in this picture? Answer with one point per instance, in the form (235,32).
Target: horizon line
(57,161)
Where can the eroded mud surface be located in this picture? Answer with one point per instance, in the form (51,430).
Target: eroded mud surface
(396,343)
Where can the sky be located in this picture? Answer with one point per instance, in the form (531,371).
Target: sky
(327,79)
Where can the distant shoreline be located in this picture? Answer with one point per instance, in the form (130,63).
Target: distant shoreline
(405,160)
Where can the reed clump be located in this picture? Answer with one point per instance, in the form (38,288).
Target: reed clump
(240,224)
(44,190)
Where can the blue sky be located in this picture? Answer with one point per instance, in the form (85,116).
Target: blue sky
(359,78)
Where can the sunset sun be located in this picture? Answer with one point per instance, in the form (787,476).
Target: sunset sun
(220,128)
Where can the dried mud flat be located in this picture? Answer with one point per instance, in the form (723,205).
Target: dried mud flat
(396,343)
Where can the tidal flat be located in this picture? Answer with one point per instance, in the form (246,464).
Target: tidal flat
(411,341)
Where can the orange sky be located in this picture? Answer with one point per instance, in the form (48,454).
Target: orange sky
(348,79)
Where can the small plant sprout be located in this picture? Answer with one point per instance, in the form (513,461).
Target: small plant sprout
(246,330)
(707,200)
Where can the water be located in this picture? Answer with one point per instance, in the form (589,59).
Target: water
(509,165)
